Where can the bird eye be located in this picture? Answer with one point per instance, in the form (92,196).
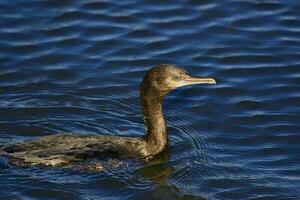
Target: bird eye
(175,77)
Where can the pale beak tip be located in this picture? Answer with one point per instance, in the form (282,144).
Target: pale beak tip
(213,82)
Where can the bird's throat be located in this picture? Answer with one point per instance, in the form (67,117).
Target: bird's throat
(156,130)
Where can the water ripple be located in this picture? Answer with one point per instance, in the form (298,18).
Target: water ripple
(76,67)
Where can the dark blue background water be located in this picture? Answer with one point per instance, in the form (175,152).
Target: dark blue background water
(75,66)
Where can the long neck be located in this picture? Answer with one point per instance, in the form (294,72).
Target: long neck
(156,133)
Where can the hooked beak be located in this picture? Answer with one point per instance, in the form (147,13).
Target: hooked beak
(190,80)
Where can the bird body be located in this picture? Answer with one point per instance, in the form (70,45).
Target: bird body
(65,149)
(62,149)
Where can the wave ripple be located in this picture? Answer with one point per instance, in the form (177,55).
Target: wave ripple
(76,66)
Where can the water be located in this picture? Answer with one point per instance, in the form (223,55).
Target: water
(76,66)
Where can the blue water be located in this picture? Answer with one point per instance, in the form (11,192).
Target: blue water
(76,66)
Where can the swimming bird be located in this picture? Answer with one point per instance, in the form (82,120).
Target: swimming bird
(63,149)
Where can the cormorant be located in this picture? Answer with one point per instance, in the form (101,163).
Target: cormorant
(64,149)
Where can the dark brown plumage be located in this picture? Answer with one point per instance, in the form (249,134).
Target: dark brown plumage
(65,149)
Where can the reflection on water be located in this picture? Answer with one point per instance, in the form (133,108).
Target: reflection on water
(76,66)
(158,164)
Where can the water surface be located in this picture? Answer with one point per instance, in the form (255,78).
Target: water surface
(76,66)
